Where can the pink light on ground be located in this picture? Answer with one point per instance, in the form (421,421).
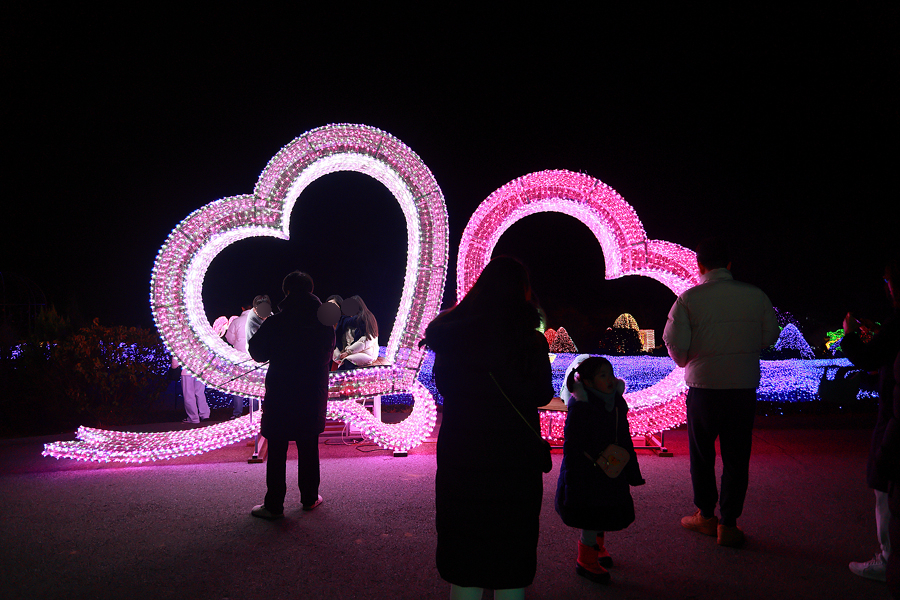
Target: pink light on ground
(100,445)
(178,274)
(626,251)
(399,437)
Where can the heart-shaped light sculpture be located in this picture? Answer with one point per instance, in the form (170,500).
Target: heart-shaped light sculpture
(626,251)
(180,268)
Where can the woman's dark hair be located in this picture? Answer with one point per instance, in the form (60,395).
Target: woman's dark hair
(588,369)
(504,290)
(499,303)
(336,298)
(365,320)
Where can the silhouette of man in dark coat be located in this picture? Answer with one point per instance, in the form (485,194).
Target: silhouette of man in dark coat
(298,347)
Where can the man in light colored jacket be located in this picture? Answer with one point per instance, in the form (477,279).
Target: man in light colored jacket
(716,331)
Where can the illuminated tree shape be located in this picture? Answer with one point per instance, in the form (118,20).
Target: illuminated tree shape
(785,318)
(562,342)
(792,339)
(180,268)
(626,321)
(550,334)
(832,338)
(626,251)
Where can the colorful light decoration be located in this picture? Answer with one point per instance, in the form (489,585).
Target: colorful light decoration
(626,321)
(791,339)
(794,381)
(180,268)
(562,341)
(626,251)
(182,262)
(833,339)
(648,339)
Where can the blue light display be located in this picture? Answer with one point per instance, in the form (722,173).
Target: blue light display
(793,380)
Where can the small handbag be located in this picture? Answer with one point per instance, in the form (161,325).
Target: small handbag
(614,458)
(540,448)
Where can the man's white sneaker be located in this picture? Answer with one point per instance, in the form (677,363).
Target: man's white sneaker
(873,569)
(262,512)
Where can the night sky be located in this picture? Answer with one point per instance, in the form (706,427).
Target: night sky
(776,129)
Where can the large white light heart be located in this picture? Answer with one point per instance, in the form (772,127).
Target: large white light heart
(626,251)
(177,281)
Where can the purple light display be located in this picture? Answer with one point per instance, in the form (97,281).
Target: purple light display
(791,339)
(781,381)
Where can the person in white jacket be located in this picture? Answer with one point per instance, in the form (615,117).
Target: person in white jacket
(716,331)
(356,342)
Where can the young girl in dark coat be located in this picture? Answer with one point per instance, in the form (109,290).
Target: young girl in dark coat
(586,497)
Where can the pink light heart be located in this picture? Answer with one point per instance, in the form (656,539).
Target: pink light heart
(177,306)
(626,250)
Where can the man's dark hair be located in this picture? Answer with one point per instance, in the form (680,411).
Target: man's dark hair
(712,253)
(297,282)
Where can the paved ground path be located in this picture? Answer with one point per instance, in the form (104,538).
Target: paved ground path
(182,529)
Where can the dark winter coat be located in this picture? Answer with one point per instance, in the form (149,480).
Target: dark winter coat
(298,347)
(488,486)
(586,497)
(881,353)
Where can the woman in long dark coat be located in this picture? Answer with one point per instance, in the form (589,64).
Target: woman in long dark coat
(489,484)
(883,468)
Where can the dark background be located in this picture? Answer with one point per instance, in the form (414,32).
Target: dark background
(775,127)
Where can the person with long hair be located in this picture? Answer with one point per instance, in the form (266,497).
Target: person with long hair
(356,343)
(492,369)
